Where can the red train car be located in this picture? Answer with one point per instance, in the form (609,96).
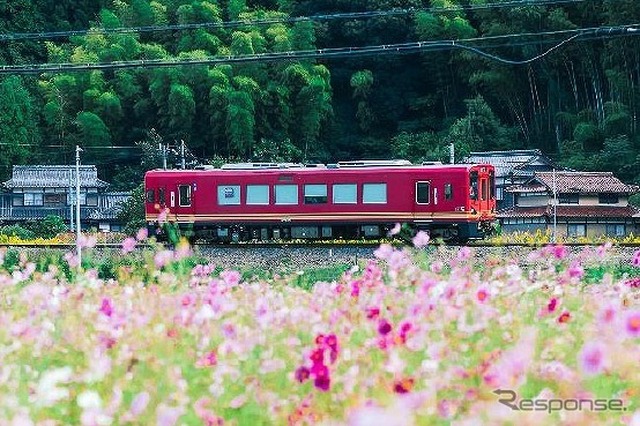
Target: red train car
(344,200)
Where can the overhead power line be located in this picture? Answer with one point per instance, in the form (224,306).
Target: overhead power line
(329,53)
(47,35)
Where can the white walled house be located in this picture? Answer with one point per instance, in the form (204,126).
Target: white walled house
(589,204)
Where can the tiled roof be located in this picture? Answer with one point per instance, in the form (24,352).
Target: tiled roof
(585,182)
(506,162)
(57,176)
(529,188)
(572,212)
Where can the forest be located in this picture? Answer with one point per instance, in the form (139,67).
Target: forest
(131,81)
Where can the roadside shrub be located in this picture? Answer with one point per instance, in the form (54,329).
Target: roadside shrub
(17,231)
(49,227)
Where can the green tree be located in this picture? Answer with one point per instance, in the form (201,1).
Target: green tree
(19,133)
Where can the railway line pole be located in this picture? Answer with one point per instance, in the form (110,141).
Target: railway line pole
(78,230)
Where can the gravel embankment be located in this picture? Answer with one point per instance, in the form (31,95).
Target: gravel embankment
(287,259)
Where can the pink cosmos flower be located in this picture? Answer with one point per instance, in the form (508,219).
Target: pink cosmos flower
(632,322)
(559,251)
(162,217)
(139,403)
(576,270)
(384,327)
(207,360)
(421,239)
(142,234)
(635,261)
(128,245)
(591,358)
(162,257)
(107,307)
(395,230)
(87,241)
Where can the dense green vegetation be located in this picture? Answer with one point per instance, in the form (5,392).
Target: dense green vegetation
(579,103)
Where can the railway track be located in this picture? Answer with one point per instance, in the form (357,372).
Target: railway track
(312,244)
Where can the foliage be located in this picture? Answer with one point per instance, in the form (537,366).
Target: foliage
(132,211)
(577,107)
(48,227)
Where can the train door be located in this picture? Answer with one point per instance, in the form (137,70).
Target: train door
(481,190)
(182,200)
(426,195)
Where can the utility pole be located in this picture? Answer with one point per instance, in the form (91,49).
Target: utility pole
(163,148)
(78,230)
(182,160)
(452,153)
(71,204)
(555,208)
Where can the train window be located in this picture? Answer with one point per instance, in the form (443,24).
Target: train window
(286,194)
(473,185)
(184,195)
(161,199)
(345,193)
(258,194)
(485,189)
(228,195)
(448,191)
(150,196)
(422,192)
(374,193)
(315,194)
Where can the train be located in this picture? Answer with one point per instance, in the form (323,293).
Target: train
(345,200)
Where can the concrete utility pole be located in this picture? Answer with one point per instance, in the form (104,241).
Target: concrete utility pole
(452,153)
(182,160)
(78,230)
(555,208)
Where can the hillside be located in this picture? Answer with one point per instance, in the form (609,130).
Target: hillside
(318,81)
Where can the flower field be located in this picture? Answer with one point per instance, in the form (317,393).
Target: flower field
(407,337)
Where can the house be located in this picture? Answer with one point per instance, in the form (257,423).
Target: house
(37,191)
(588,204)
(512,168)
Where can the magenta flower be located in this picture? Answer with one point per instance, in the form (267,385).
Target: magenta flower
(591,358)
(322,380)
(302,373)
(635,261)
(107,307)
(384,327)
(128,245)
(551,306)
(576,270)
(559,251)
(632,322)
(208,360)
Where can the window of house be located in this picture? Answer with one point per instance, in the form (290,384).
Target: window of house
(448,191)
(422,192)
(258,194)
(608,198)
(33,198)
(345,193)
(150,196)
(228,195)
(184,195)
(615,229)
(568,198)
(91,199)
(374,193)
(55,199)
(315,194)
(286,194)
(577,230)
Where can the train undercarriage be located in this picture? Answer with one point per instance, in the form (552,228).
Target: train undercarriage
(265,232)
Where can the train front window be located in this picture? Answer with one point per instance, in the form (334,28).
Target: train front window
(150,196)
(473,185)
(184,195)
(422,192)
(485,189)
(161,199)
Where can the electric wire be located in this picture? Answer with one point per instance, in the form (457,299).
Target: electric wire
(284,20)
(330,53)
